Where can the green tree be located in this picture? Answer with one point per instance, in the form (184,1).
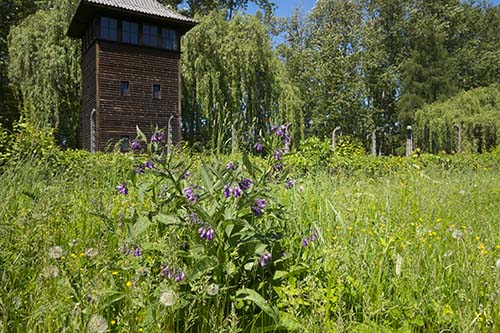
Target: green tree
(204,7)
(44,68)
(475,112)
(427,74)
(231,79)
(11,12)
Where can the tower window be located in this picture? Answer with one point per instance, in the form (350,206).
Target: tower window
(108,28)
(130,32)
(156,91)
(150,35)
(169,39)
(124,88)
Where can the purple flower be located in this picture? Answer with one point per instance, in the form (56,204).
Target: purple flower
(281,131)
(305,242)
(258,207)
(230,165)
(245,184)
(139,169)
(278,167)
(258,147)
(157,137)
(314,236)
(278,154)
(167,272)
(206,233)
(137,252)
(149,165)
(136,145)
(186,175)
(289,183)
(180,276)
(264,259)
(122,188)
(227,191)
(190,195)
(193,218)
(237,191)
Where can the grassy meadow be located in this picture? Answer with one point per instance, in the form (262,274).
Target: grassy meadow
(408,249)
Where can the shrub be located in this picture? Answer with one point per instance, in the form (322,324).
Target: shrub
(215,236)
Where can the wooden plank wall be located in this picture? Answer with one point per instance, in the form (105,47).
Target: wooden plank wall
(142,67)
(88,94)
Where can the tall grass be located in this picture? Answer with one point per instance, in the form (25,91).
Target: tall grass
(413,251)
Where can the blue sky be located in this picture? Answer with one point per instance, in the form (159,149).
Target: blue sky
(286,7)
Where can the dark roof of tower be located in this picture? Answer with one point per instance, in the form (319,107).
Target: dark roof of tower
(151,9)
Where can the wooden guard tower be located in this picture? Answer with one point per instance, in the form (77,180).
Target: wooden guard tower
(130,69)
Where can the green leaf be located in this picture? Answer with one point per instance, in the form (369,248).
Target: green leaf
(248,165)
(249,265)
(142,224)
(289,321)
(257,299)
(140,134)
(206,178)
(167,219)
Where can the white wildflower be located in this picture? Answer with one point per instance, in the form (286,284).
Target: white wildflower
(51,272)
(55,252)
(457,234)
(212,289)
(91,252)
(97,324)
(168,298)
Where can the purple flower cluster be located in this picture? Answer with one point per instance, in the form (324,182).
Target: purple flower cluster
(264,259)
(245,184)
(136,145)
(193,218)
(137,251)
(310,239)
(190,195)
(172,274)
(282,132)
(122,188)
(149,165)
(258,207)
(186,175)
(278,166)
(231,165)
(206,232)
(278,154)
(289,183)
(139,169)
(227,191)
(158,137)
(258,147)
(235,191)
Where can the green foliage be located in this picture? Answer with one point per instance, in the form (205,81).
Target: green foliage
(374,244)
(349,147)
(45,71)
(477,112)
(231,80)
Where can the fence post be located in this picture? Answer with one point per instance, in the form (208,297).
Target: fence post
(409,140)
(458,126)
(334,141)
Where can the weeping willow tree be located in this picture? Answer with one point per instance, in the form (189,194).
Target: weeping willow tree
(475,113)
(232,82)
(44,69)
